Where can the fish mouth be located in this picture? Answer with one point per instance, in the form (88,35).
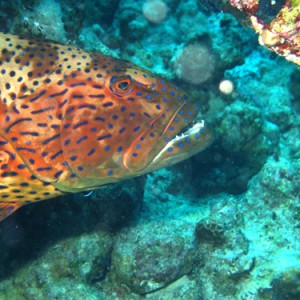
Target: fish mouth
(193,138)
(188,130)
(175,134)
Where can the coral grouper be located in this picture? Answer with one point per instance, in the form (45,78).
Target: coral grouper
(72,120)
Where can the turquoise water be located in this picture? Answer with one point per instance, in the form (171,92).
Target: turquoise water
(223,224)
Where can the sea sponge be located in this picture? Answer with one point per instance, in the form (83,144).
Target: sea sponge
(155,11)
(194,64)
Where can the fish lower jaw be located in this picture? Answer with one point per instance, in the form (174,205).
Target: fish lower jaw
(189,132)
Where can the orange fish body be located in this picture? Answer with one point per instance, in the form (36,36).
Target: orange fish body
(72,120)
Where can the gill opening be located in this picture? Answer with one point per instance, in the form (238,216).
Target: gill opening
(173,117)
(126,152)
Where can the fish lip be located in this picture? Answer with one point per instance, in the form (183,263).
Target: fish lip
(192,128)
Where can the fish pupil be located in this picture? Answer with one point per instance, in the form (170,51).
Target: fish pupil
(123,85)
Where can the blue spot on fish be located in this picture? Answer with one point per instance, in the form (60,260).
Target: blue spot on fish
(91,152)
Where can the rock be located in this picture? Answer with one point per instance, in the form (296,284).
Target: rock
(183,288)
(150,256)
(210,232)
(287,285)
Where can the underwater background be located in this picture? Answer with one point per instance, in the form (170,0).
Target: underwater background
(221,225)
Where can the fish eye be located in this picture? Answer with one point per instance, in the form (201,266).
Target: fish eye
(121,85)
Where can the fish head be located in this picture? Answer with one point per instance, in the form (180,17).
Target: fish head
(144,123)
(168,128)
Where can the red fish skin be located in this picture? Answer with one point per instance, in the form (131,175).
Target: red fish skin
(72,120)
(18,183)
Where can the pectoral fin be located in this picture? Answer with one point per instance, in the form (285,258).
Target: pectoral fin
(7,208)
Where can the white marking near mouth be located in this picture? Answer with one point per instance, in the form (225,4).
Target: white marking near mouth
(191,131)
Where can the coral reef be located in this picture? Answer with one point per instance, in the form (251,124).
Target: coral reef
(276,23)
(44,20)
